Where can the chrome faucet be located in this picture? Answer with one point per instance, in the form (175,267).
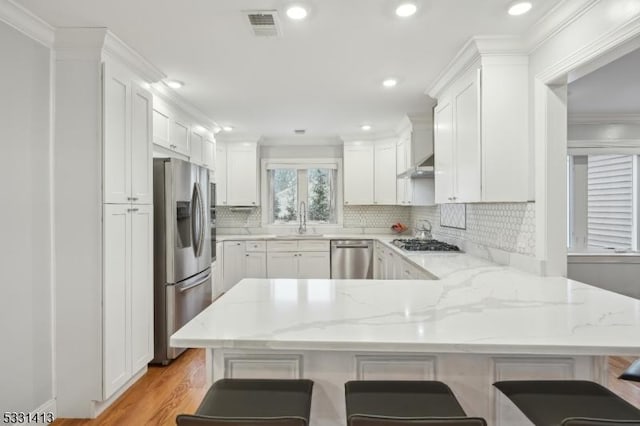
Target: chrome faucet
(302,229)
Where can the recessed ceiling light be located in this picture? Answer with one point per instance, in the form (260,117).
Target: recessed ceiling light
(217,129)
(390,82)
(406,9)
(366,127)
(174,84)
(297,12)
(520,8)
(227,128)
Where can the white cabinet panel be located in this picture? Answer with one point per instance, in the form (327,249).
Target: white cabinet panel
(180,136)
(161,125)
(255,265)
(209,154)
(141,151)
(282,265)
(255,246)
(314,245)
(443,150)
(141,286)
(117,138)
(221,174)
(197,147)
(358,174)
(467,152)
(385,173)
(242,183)
(314,265)
(234,264)
(116,315)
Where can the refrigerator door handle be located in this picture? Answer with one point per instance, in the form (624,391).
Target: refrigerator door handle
(195,220)
(202,218)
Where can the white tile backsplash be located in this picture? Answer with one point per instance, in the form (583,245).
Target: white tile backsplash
(376,216)
(506,226)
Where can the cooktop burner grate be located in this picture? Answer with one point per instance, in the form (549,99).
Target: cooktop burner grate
(424,245)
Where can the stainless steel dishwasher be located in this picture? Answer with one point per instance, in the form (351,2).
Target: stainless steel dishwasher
(351,259)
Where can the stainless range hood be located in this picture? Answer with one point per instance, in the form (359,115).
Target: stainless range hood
(419,127)
(424,169)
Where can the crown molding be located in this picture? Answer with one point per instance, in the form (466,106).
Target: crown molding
(562,15)
(171,97)
(300,141)
(26,22)
(474,49)
(369,137)
(603,118)
(119,50)
(238,138)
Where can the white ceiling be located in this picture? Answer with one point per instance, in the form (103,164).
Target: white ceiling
(612,89)
(324,74)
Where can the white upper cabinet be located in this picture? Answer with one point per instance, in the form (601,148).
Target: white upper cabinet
(209,153)
(197,147)
(358,173)
(385,172)
(179,133)
(482,125)
(161,124)
(141,151)
(242,177)
(127,130)
(221,174)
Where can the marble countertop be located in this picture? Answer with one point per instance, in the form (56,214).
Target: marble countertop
(475,307)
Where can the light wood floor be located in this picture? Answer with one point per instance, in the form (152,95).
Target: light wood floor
(165,392)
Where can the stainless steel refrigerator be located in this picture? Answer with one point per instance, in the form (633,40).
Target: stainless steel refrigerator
(182,249)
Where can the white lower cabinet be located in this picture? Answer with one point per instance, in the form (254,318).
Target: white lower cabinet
(255,265)
(233,266)
(282,265)
(128,293)
(314,265)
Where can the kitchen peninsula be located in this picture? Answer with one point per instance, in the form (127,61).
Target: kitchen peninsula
(477,324)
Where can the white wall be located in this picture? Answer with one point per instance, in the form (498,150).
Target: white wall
(301,151)
(25,229)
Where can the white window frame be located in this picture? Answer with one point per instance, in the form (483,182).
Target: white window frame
(578,176)
(265,163)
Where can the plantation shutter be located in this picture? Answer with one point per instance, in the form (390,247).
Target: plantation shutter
(610,201)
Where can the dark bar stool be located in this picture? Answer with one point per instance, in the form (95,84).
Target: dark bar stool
(248,402)
(632,372)
(404,403)
(569,403)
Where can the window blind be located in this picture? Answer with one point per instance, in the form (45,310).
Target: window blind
(610,201)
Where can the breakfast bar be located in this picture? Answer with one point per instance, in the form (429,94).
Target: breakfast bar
(477,324)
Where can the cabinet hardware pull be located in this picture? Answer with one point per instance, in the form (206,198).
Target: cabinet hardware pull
(132,210)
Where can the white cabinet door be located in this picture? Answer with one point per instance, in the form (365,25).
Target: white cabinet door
(314,265)
(221,174)
(141,150)
(197,148)
(402,184)
(161,125)
(180,136)
(282,265)
(467,153)
(234,264)
(385,173)
(117,137)
(141,286)
(255,265)
(218,273)
(358,174)
(242,183)
(115,313)
(209,154)
(391,268)
(443,152)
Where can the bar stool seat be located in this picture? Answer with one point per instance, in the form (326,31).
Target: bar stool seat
(263,402)
(402,403)
(632,372)
(569,403)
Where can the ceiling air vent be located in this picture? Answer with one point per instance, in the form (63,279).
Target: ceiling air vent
(264,23)
(299,131)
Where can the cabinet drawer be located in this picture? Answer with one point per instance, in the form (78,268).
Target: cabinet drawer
(255,246)
(313,245)
(282,246)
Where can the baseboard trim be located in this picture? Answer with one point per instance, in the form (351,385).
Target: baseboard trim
(100,406)
(48,407)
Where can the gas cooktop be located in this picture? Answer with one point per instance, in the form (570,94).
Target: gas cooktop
(415,244)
